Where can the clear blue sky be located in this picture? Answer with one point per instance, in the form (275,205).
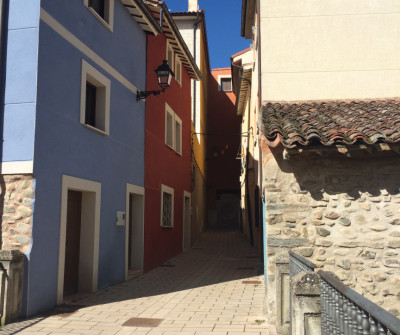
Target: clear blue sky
(223,18)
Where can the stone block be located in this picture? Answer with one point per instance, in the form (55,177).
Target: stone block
(394,243)
(391,263)
(286,242)
(323,242)
(13,263)
(305,252)
(344,264)
(345,222)
(322,231)
(305,302)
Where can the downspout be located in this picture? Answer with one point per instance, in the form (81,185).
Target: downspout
(3,53)
(195,25)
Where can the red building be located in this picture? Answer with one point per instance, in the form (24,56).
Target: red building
(223,142)
(168,151)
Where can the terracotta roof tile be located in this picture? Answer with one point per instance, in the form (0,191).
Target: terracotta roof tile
(332,122)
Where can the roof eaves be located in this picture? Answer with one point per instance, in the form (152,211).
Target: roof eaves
(179,39)
(142,16)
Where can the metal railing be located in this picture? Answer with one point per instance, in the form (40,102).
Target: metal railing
(299,264)
(344,311)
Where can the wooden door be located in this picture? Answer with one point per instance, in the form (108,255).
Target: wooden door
(72,242)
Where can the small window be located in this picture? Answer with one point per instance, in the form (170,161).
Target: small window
(103,10)
(95,99)
(169,128)
(173,130)
(178,71)
(226,84)
(167,206)
(170,57)
(178,135)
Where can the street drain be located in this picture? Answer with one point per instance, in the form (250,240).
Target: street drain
(142,322)
(251,282)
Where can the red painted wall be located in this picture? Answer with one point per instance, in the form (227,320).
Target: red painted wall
(162,164)
(224,138)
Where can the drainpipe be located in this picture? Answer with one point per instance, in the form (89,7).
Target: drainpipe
(195,25)
(3,53)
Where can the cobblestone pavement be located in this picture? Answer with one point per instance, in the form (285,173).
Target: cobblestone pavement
(214,288)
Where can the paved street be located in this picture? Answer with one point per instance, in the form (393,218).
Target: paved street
(215,288)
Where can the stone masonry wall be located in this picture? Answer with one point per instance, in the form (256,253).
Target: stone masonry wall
(17,195)
(341,213)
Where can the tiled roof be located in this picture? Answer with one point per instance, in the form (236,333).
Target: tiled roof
(332,122)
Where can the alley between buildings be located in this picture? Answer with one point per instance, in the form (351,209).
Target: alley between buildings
(216,287)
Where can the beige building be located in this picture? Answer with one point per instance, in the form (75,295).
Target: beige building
(329,132)
(245,86)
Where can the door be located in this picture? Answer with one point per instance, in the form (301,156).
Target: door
(72,242)
(186,222)
(135,233)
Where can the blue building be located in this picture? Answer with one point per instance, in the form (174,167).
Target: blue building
(73,143)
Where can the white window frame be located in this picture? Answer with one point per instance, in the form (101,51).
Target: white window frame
(103,86)
(178,71)
(175,119)
(220,81)
(169,112)
(179,121)
(172,64)
(169,190)
(108,21)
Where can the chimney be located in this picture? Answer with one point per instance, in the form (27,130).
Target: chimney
(193,5)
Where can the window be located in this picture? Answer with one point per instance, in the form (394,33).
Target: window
(169,127)
(173,130)
(103,10)
(178,71)
(178,135)
(170,57)
(95,99)
(226,84)
(167,206)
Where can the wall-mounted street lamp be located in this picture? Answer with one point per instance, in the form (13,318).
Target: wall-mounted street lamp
(164,75)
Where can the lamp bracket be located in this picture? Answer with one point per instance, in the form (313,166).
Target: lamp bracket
(140,95)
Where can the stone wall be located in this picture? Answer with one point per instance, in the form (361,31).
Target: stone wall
(341,213)
(16,199)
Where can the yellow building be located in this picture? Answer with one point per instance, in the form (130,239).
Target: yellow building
(192,27)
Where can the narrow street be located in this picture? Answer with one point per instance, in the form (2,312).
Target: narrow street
(216,287)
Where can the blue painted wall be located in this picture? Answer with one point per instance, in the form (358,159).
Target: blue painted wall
(63,146)
(21,78)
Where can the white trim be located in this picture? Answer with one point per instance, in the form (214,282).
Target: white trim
(170,48)
(91,267)
(179,121)
(169,190)
(169,112)
(178,65)
(108,22)
(137,190)
(224,77)
(78,44)
(186,195)
(96,78)
(174,119)
(17,167)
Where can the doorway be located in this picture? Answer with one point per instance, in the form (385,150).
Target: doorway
(79,237)
(186,220)
(72,242)
(134,252)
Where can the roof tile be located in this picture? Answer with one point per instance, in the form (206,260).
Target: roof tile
(332,122)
